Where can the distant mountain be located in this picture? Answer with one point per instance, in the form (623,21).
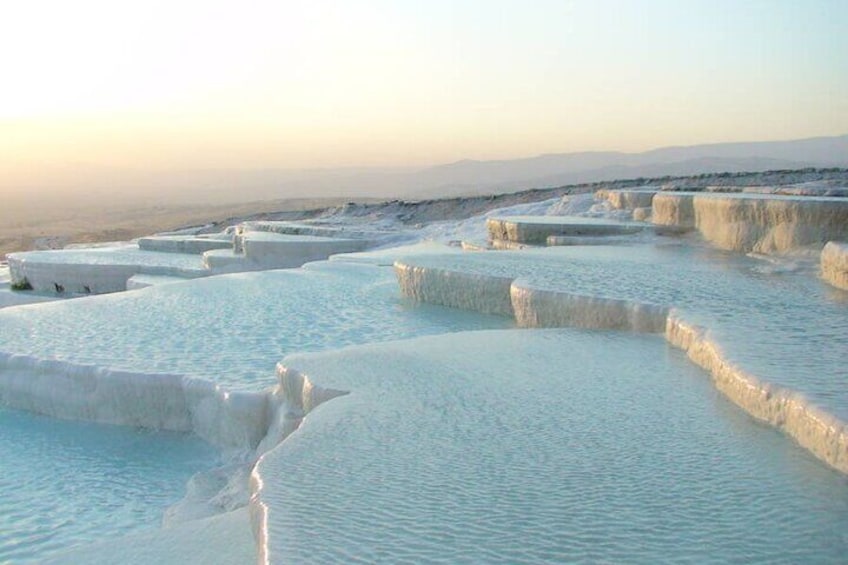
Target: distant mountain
(823,151)
(619,172)
(473,177)
(88,184)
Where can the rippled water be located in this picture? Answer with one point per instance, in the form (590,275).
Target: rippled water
(541,446)
(123,255)
(229,329)
(514,447)
(781,324)
(65,483)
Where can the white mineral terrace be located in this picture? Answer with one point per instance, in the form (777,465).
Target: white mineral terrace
(490,406)
(531,446)
(9,297)
(538,229)
(98,270)
(314,229)
(755,222)
(771,338)
(269,250)
(186,244)
(834,264)
(263,250)
(137,282)
(629,199)
(121,267)
(231,321)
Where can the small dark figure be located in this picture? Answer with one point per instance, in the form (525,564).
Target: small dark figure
(59,288)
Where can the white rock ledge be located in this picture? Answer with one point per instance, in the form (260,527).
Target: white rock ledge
(834,264)
(183,244)
(627,199)
(292,399)
(536,308)
(231,421)
(278,251)
(537,229)
(757,223)
(824,435)
(256,251)
(97,271)
(468,291)
(673,209)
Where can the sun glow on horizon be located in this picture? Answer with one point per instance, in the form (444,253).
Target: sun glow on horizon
(305,84)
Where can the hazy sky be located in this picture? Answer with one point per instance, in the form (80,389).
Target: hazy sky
(235,83)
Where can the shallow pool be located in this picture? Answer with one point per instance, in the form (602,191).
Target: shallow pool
(776,320)
(540,446)
(67,483)
(229,329)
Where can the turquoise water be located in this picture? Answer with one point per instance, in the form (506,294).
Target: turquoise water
(779,322)
(513,446)
(229,329)
(540,446)
(66,483)
(123,255)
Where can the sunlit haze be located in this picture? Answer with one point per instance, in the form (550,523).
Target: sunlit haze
(161,85)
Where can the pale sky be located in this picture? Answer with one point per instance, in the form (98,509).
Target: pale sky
(236,83)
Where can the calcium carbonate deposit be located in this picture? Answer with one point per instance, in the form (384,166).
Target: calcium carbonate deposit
(646,375)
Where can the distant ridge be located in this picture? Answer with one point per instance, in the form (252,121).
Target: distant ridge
(461,178)
(470,177)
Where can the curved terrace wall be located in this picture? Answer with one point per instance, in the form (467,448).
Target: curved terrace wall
(822,434)
(176,244)
(480,293)
(834,264)
(673,209)
(231,420)
(70,277)
(77,273)
(536,230)
(753,223)
(627,199)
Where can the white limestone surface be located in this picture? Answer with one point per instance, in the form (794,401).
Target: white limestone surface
(811,188)
(642,214)
(268,250)
(190,244)
(542,308)
(562,240)
(537,229)
(473,228)
(776,328)
(336,230)
(673,209)
(533,446)
(386,256)
(225,261)
(505,245)
(757,223)
(9,297)
(475,246)
(834,264)
(162,401)
(136,282)
(196,356)
(628,199)
(97,270)
(483,293)
(263,250)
